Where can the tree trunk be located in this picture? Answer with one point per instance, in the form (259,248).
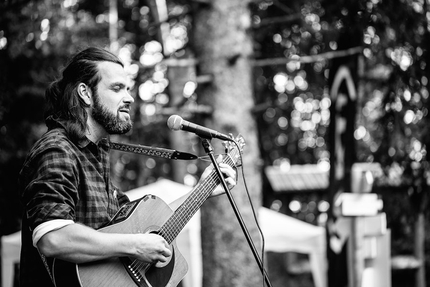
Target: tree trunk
(419,246)
(223,46)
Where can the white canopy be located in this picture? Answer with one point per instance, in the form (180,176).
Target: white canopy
(283,233)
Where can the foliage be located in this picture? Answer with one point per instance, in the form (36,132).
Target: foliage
(294,105)
(394,99)
(36,39)
(392,111)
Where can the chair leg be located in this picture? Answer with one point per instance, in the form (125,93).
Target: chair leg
(7,273)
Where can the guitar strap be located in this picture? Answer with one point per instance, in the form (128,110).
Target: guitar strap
(45,262)
(152,151)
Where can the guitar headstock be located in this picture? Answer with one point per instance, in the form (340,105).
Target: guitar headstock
(234,149)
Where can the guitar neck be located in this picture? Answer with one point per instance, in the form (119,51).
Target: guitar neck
(191,205)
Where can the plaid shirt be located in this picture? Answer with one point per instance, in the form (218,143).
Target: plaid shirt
(61,180)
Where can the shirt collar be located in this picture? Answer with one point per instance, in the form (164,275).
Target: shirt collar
(103,143)
(82,143)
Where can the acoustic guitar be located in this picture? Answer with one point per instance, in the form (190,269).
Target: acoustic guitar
(149,214)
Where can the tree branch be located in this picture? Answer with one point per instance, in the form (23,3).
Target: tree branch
(309,59)
(282,6)
(277,20)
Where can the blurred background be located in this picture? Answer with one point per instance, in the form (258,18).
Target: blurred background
(315,87)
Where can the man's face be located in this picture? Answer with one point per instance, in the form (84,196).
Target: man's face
(112,100)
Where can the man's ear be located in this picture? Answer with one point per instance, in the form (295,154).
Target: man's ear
(85,93)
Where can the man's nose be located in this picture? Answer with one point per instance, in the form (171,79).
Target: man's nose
(129,98)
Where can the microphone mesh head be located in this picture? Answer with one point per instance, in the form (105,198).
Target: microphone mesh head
(174,123)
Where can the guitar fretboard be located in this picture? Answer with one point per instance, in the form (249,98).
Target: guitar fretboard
(191,205)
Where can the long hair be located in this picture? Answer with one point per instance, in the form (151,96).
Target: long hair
(63,101)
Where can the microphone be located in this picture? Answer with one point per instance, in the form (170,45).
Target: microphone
(176,123)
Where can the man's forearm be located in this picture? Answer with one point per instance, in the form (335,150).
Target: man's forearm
(78,243)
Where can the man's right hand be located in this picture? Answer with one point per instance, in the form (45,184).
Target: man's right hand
(152,248)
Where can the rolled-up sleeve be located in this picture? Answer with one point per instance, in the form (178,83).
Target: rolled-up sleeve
(53,191)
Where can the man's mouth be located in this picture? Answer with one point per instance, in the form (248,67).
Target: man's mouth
(125,110)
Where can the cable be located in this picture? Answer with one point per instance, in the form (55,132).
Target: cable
(252,208)
(254,214)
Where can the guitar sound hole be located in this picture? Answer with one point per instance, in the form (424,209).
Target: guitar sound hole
(161,276)
(146,275)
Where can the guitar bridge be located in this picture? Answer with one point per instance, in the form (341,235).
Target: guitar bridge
(147,275)
(134,269)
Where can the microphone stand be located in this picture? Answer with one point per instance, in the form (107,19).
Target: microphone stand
(209,150)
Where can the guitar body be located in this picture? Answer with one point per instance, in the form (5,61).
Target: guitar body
(141,216)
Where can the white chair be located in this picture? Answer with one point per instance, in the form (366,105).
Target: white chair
(10,253)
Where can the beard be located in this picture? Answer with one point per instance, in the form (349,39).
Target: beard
(109,121)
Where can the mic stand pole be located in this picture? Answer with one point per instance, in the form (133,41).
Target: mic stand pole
(209,150)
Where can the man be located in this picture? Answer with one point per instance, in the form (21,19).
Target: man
(66,188)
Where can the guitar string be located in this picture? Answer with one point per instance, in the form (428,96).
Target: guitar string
(185,212)
(142,266)
(212,182)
